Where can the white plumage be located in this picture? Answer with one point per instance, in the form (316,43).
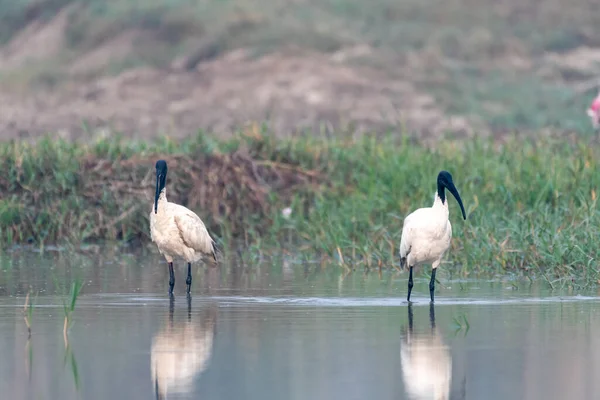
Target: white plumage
(180,352)
(426,363)
(176,230)
(426,232)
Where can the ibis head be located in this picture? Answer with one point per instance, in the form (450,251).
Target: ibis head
(161,179)
(444,181)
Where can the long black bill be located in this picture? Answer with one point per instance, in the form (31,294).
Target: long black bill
(158,189)
(450,186)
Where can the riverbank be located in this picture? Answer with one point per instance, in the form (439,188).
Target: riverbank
(531,206)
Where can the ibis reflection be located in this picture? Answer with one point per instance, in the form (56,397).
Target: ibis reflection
(426,361)
(181,351)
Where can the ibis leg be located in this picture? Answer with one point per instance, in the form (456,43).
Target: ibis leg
(171,278)
(432,283)
(189,304)
(188,280)
(410,318)
(432,316)
(171,309)
(410,283)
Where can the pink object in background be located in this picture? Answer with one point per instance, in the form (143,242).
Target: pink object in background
(594,112)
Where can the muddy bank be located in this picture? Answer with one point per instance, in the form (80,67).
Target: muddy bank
(122,77)
(287,91)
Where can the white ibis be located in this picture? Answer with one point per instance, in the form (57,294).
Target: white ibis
(426,232)
(177,231)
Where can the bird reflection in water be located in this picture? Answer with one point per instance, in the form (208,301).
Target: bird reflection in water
(426,361)
(182,350)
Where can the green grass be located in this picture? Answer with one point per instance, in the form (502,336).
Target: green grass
(461,323)
(531,205)
(69,307)
(28,312)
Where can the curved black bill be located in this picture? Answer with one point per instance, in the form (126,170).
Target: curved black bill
(450,186)
(157,193)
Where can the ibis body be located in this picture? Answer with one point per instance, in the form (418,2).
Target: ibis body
(177,231)
(427,232)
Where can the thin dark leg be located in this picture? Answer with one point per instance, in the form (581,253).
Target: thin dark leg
(432,316)
(189,304)
(432,283)
(410,318)
(171,309)
(188,281)
(171,278)
(410,283)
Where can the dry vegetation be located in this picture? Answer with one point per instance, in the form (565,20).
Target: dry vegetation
(61,192)
(531,205)
(87,69)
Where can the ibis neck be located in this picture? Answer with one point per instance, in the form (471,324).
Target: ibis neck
(162,199)
(441,192)
(440,202)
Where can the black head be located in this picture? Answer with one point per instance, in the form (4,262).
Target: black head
(161,180)
(444,181)
(161,167)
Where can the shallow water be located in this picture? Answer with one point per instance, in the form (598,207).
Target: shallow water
(284,331)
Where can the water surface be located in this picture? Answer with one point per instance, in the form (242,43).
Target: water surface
(287,331)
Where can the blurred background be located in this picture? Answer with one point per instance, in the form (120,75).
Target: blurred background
(156,67)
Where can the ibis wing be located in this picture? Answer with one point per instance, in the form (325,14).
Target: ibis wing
(193,232)
(406,238)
